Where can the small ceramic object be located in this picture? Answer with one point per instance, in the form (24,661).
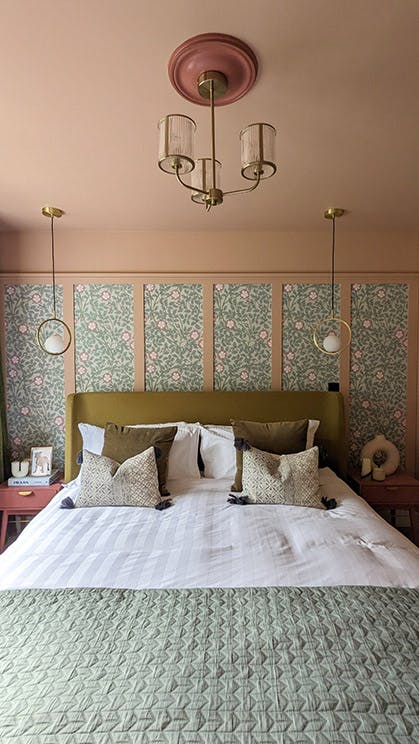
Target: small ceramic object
(20,469)
(381,444)
(365,467)
(378,474)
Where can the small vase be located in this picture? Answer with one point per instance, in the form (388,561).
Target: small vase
(381,444)
(20,469)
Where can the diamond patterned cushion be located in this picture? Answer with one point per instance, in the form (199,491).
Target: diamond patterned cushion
(282,479)
(104,482)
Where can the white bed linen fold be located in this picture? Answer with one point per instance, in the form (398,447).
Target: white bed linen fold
(202,541)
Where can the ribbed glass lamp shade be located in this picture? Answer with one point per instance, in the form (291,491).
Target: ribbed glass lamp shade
(202,178)
(258,151)
(176,143)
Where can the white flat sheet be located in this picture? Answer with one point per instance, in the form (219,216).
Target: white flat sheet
(202,541)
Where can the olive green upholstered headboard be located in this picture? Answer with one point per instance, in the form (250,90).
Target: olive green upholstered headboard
(208,408)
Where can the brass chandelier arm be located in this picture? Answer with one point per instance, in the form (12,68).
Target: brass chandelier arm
(242,191)
(186,185)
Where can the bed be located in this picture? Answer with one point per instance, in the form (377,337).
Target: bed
(209,622)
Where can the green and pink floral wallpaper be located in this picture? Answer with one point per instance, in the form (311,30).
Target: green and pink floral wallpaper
(104,344)
(104,337)
(34,380)
(242,336)
(378,365)
(173,328)
(304,367)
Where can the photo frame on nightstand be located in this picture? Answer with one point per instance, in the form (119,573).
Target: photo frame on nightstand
(41,461)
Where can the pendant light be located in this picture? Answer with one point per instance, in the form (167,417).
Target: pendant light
(213,69)
(332,342)
(53,335)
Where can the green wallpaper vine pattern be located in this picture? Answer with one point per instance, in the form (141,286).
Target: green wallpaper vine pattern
(34,380)
(378,365)
(173,317)
(173,326)
(242,336)
(104,337)
(304,367)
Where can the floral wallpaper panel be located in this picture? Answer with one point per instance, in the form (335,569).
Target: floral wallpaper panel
(304,367)
(242,336)
(104,337)
(34,380)
(173,327)
(378,365)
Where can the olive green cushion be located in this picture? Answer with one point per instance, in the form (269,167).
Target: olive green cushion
(123,442)
(277,437)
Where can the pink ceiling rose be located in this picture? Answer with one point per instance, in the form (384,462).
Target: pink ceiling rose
(213,51)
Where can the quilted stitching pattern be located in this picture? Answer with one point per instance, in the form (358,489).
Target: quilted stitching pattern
(104,482)
(281,479)
(332,665)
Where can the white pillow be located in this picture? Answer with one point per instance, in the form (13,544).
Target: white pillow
(217,451)
(183,456)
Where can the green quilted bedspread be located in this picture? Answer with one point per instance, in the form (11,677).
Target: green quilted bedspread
(209,666)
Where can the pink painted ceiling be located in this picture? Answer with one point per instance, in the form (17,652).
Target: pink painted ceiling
(84,82)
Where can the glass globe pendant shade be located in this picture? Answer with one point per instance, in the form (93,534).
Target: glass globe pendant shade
(201,178)
(258,151)
(54,336)
(176,144)
(331,342)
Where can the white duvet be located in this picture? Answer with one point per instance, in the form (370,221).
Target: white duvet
(202,541)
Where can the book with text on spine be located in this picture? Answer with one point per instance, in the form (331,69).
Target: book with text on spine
(35,480)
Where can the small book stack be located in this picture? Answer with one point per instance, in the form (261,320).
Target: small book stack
(35,480)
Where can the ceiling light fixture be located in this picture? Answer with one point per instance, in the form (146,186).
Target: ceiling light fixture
(53,335)
(332,341)
(213,69)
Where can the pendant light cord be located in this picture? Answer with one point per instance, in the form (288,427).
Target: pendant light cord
(53,267)
(333,268)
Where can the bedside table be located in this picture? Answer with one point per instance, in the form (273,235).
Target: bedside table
(13,503)
(397,491)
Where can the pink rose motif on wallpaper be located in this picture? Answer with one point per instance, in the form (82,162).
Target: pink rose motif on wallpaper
(126,336)
(356,287)
(367,324)
(80,288)
(81,369)
(290,355)
(23,328)
(381,294)
(12,373)
(176,375)
(151,368)
(25,410)
(175,294)
(59,422)
(106,295)
(219,367)
(38,380)
(17,441)
(313,295)
(244,294)
(195,335)
(398,413)
(83,356)
(287,287)
(287,369)
(270,343)
(263,333)
(150,287)
(358,354)
(312,376)
(36,298)
(161,325)
(399,333)
(299,325)
(222,354)
(244,375)
(153,355)
(379,374)
(11,291)
(230,324)
(107,377)
(366,404)
(14,359)
(219,287)
(355,367)
(92,325)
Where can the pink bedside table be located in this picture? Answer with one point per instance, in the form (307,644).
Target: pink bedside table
(13,503)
